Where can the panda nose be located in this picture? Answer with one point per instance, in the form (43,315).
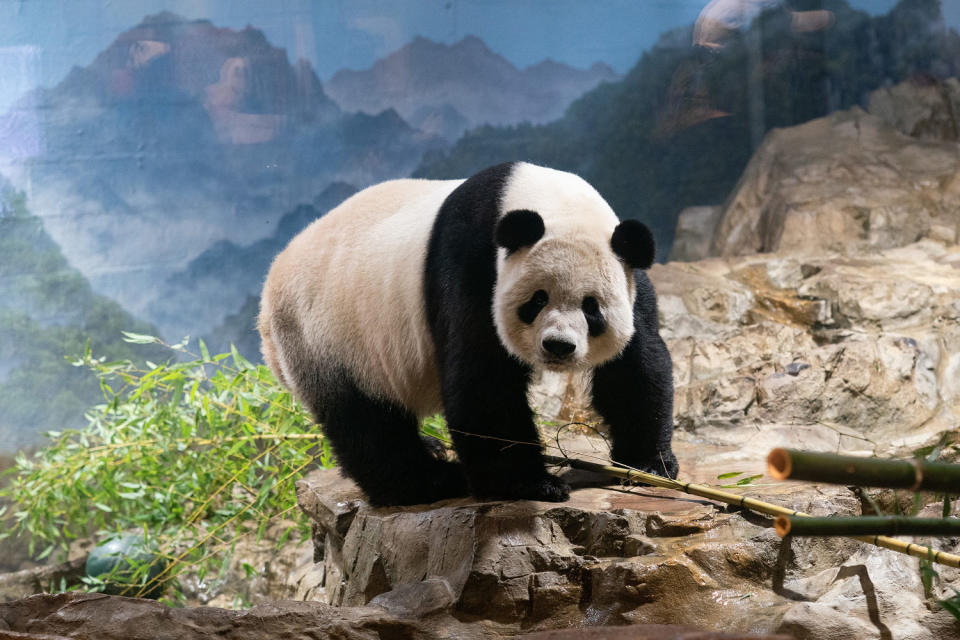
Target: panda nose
(558,348)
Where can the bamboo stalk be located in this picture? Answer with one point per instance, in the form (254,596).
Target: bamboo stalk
(866,526)
(753,504)
(915,475)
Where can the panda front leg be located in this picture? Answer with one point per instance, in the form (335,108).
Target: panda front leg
(634,395)
(377,444)
(492,427)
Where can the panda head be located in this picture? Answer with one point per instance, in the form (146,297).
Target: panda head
(565,288)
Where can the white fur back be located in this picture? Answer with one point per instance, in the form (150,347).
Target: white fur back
(355,278)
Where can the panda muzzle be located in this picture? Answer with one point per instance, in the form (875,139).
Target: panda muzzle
(559,349)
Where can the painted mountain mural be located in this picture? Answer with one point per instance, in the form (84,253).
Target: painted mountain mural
(446,89)
(225,275)
(183,138)
(182,134)
(48,311)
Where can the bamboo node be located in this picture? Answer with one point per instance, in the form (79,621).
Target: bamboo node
(917,474)
(781,524)
(779,465)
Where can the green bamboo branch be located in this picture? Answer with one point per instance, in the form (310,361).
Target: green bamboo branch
(915,475)
(866,526)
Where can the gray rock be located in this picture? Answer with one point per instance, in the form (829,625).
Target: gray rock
(85,616)
(868,345)
(846,182)
(866,597)
(416,600)
(606,557)
(695,226)
(44,578)
(929,110)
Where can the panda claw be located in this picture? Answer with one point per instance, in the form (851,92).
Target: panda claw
(553,489)
(664,465)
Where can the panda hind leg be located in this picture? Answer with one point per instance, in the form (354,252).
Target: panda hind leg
(376,443)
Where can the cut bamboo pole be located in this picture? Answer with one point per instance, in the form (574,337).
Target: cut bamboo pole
(916,550)
(915,475)
(866,526)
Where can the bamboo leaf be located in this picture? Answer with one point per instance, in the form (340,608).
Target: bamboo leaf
(731,474)
(163,457)
(927,575)
(952,604)
(139,338)
(204,353)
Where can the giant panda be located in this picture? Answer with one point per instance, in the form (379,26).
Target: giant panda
(419,296)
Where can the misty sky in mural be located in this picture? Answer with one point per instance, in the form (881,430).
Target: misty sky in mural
(40,40)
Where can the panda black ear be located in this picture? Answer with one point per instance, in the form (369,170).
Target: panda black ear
(632,241)
(519,228)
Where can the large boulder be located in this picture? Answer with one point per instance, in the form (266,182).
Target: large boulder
(852,181)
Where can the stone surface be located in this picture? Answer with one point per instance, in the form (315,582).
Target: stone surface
(695,227)
(921,108)
(644,632)
(874,595)
(44,578)
(852,180)
(608,556)
(100,617)
(865,347)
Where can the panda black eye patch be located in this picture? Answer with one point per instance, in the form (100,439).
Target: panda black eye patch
(596,324)
(529,310)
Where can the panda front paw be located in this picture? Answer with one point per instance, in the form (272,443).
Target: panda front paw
(449,481)
(663,464)
(425,485)
(550,489)
(546,488)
